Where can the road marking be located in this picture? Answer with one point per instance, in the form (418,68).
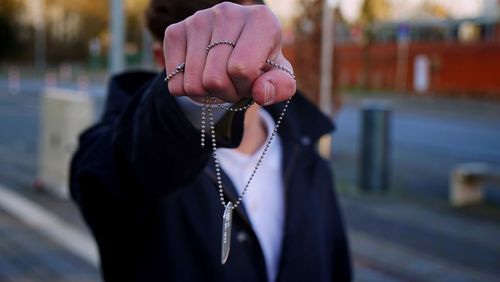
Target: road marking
(49,224)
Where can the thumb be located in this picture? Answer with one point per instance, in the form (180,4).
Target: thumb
(276,84)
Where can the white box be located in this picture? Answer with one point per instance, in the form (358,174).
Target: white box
(65,114)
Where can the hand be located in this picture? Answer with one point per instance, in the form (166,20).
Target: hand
(226,72)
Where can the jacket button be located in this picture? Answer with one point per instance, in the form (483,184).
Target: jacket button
(242,236)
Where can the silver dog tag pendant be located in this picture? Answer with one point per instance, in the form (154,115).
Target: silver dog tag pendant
(226,231)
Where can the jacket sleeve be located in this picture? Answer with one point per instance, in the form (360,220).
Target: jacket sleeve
(149,150)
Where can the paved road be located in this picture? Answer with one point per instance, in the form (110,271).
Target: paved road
(26,255)
(429,137)
(33,86)
(393,239)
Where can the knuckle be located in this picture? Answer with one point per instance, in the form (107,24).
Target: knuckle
(197,21)
(175,89)
(214,82)
(173,32)
(195,89)
(224,7)
(227,12)
(242,71)
(276,27)
(290,87)
(261,11)
(265,16)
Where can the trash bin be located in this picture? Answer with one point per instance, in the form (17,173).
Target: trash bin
(374,145)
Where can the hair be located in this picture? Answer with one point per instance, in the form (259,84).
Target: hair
(162,13)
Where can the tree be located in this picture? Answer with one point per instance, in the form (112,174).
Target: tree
(80,21)
(71,25)
(372,11)
(306,47)
(8,22)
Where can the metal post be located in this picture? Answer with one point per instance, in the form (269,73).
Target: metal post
(374,145)
(40,34)
(147,50)
(404,38)
(116,53)
(402,66)
(325,94)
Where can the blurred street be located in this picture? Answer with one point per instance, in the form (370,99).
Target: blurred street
(29,255)
(429,136)
(409,234)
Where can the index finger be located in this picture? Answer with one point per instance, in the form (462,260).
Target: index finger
(174,50)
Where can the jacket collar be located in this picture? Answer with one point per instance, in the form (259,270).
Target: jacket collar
(303,123)
(121,88)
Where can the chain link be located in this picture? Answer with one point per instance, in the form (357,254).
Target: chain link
(222,42)
(208,103)
(180,68)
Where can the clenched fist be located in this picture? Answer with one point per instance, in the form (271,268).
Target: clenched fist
(229,71)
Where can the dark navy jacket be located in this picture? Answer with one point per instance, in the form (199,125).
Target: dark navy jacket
(148,192)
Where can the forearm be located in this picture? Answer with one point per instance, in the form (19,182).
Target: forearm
(161,146)
(192,110)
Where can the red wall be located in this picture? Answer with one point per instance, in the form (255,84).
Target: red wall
(456,68)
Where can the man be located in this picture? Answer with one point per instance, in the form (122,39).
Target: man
(150,192)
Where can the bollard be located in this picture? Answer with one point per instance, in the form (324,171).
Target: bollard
(13,80)
(50,79)
(65,72)
(374,145)
(83,83)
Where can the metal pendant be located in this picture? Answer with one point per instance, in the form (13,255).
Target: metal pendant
(226,231)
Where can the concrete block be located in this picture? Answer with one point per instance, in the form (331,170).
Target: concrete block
(65,114)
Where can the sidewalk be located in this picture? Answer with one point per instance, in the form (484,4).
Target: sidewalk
(391,239)
(410,241)
(27,255)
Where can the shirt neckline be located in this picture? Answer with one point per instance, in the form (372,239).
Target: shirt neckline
(272,157)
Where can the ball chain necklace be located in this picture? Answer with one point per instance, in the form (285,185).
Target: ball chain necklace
(208,102)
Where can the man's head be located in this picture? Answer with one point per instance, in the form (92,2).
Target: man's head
(162,13)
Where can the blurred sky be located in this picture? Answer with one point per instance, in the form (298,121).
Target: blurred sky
(401,9)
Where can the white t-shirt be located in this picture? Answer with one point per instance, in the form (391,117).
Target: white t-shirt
(264,200)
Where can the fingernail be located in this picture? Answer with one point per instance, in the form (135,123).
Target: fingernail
(269,93)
